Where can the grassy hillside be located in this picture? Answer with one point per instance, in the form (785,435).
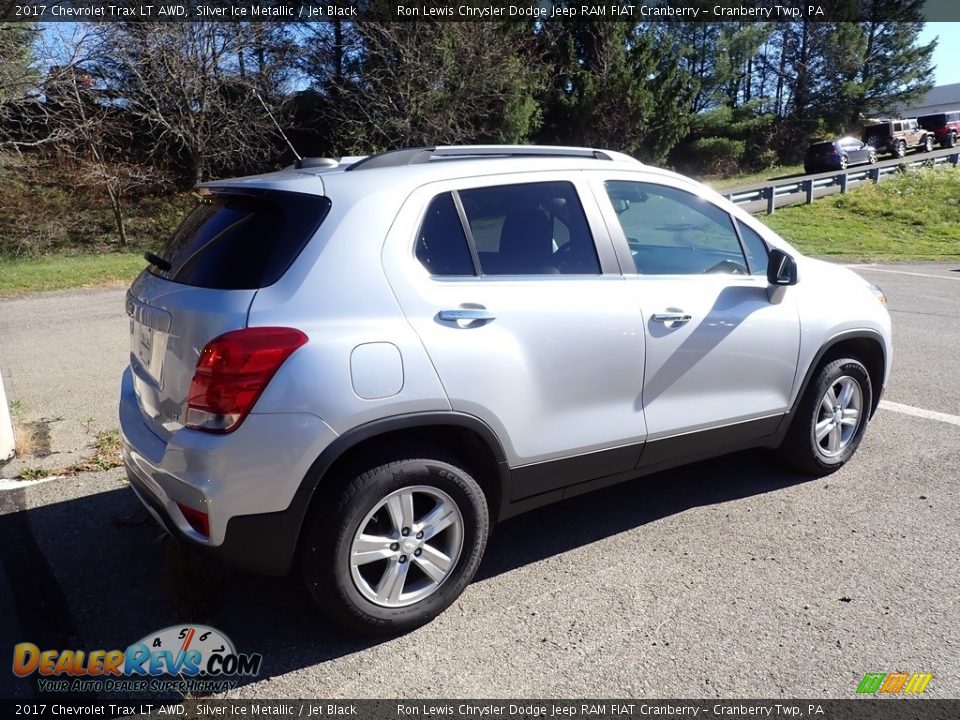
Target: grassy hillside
(47,207)
(912,217)
(56,235)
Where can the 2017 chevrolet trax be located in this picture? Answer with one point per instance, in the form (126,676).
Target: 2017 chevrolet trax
(352,369)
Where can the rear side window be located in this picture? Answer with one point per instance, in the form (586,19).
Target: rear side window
(530,229)
(234,241)
(442,245)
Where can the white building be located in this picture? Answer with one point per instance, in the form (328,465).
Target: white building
(940,99)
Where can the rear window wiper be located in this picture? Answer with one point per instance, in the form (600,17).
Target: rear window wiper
(157,261)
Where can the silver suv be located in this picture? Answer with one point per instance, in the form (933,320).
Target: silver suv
(353,369)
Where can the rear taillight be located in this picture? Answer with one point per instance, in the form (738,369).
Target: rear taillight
(232,371)
(198,520)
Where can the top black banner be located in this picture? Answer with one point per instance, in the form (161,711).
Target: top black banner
(471,10)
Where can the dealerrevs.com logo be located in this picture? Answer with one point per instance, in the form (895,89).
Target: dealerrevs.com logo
(894,683)
(181,658)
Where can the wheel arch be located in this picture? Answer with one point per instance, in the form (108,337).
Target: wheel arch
(465,436)
(867,345)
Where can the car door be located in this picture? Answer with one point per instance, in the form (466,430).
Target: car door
(721,350)
(914,134)
(857,152)
(513,286)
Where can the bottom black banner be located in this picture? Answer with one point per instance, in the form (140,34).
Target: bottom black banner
(899,708)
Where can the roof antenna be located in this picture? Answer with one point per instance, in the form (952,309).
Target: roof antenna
(279,129)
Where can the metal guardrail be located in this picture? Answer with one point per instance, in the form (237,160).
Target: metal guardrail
(792,189)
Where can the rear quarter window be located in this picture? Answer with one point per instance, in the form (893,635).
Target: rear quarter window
(241,240)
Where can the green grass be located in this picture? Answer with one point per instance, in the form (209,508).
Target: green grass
(32,473)
(912,217)
(751,178)
(60,271)
(105,457)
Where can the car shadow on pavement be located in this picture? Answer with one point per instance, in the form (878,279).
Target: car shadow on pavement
(96,572)
(604,513)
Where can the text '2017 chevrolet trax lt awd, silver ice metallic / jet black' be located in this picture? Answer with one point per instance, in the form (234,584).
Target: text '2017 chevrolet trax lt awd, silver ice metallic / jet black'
(353,369)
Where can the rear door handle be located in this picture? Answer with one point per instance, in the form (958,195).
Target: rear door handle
(671,317)
(466,314)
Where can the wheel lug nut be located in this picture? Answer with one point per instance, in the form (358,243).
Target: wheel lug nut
(403,558)
(394,546)
(405,532)
(420,535)
(417,552)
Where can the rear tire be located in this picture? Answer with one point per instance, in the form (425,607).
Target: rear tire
(831,418)
(951,140)
(901,149)
(356,562)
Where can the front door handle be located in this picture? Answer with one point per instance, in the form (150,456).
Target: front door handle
(469,314)
(671,317)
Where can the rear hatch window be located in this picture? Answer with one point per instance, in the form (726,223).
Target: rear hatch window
(822,148)
(933,122)
(883,130)
(241,240)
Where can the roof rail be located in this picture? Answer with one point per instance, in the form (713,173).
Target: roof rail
(414,156)
(312,162)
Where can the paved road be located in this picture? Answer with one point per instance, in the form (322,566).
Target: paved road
(727,578)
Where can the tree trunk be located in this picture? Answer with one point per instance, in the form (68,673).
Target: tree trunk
(118,215)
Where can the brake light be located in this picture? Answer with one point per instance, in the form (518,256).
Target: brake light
(232,371)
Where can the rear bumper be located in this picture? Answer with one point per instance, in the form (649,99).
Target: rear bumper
(264,544)
(246,481)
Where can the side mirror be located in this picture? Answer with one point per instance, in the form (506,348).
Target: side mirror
(781,268)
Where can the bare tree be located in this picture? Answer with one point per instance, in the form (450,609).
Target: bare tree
(188,87)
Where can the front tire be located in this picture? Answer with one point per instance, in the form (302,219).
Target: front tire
(928,143)
(830,419)
(398,544)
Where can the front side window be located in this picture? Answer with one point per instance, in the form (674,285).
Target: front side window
(757,252)
(673,232)
(530,229)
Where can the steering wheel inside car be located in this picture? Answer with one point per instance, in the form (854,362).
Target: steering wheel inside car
(730,267)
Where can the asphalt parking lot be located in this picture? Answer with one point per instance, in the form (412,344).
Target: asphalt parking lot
(728,578)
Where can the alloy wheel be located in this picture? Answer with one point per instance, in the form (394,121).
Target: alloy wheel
(839,415)
(407,546)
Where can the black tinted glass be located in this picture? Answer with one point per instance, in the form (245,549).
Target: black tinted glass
(241,242)
(442,245)
(530,229)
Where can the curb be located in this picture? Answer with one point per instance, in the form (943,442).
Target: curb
(6,426)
